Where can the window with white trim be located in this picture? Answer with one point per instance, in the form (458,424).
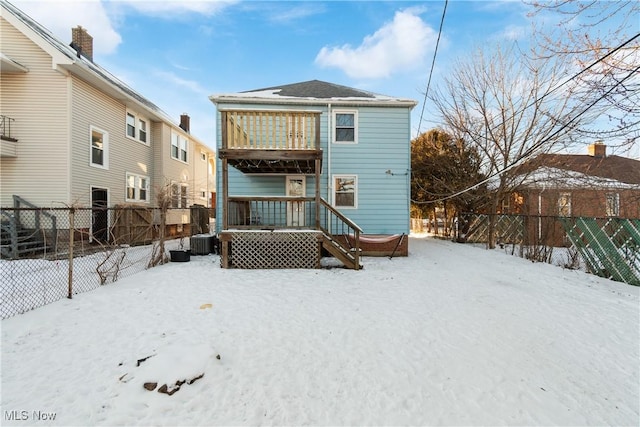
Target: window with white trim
(179,146)
(136,128)
(142,131)
(613,204)
(564,204)
(99,155)
(131,125)
(137,188)
(345,127)
(179,195)
(345,191)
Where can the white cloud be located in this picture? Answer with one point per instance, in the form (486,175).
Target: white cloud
(169,9)
(177,81)
(60,16)
(400,44)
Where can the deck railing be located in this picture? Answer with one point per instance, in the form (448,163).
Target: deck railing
(271,130)
(271,212)
(5,128)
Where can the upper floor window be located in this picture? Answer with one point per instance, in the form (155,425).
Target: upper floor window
(99,156)
(137,128)
(613,204)
(345,191)
(131,125)
(564,204)
(137,188)
(345,128)
(142,130)
(179,146)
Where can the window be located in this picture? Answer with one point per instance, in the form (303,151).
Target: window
(142,130)
(99,156)
(137,128)
(203,156)
(179,195)
(345,191)
(137,188)
(179,147)
(564,204)
(613,204)
(131,125)
(345,127)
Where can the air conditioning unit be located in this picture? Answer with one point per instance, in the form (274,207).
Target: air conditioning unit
(201,244)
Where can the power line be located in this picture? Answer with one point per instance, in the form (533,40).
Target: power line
(435,52)
(529,153)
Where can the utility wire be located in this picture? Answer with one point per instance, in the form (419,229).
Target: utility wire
(435,52)
(529,153)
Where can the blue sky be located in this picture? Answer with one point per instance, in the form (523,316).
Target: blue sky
(178,53)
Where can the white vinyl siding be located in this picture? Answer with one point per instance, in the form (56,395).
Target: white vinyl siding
(93,108)
(38,101)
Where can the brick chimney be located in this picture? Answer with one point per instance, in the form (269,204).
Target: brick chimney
(82,42)
(184,122)
(598,150)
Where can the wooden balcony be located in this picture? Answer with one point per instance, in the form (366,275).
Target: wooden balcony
(283,142)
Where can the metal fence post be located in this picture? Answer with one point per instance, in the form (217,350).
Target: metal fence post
(71,235)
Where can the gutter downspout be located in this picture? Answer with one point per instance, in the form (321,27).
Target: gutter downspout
(329,135)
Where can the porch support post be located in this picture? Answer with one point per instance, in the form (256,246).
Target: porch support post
(225,194)
(318,166)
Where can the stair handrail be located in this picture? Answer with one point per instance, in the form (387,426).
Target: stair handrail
(12,227)
(352,226)
(18,201)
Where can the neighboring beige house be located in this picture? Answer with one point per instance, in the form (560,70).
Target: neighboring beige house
(73,134)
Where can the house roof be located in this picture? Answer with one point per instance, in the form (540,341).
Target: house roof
(312,92)
(66,57)
(610,168)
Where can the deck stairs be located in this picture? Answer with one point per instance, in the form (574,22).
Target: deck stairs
(19,240)
(342,253)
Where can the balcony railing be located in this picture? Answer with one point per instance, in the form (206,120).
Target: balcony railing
(271,130)
(5,128)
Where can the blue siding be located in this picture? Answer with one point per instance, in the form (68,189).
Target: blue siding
(383,144)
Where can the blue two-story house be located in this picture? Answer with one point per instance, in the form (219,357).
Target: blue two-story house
(310,167)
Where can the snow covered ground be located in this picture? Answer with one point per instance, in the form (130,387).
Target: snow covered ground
(451,335)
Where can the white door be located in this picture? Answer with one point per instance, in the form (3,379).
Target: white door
(295,210)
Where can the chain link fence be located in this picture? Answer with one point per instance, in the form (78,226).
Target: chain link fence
(607,247)
(50,254)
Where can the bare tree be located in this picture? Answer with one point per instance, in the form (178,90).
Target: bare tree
(510,108)
(601,40)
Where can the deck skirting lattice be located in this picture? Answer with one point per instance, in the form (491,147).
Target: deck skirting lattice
(277,249)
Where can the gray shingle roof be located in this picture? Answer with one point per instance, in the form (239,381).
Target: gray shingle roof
(316,89)
(312,92)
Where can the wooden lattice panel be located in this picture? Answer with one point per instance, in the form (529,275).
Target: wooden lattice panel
(278,249)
